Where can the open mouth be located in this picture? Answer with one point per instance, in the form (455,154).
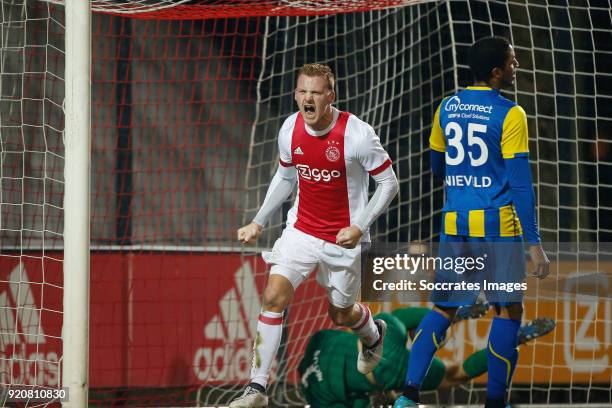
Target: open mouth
(309,109)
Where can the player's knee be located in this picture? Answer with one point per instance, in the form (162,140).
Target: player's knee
(340,317)
(274,300)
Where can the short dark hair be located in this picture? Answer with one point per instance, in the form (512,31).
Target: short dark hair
(320,70)
(486,54)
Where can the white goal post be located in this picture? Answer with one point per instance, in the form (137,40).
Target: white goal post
(77,141)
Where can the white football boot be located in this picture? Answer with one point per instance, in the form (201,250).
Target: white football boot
(369,357)
(250,398)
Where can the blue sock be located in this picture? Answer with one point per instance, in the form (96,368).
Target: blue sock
(502,356)
(427,340)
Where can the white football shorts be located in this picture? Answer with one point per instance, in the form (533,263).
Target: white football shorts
(296,254)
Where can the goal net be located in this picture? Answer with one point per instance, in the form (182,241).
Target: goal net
(187,100)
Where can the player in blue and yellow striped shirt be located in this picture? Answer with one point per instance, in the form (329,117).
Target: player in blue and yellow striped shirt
(483,130)
(479,144)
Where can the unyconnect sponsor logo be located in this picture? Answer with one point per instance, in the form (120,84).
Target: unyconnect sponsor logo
(453,104)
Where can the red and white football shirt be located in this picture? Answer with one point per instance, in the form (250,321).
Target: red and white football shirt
(332,167)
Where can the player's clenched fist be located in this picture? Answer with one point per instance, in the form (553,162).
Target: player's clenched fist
(349,237)
(249,233)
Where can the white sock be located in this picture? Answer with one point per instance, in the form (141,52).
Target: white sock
(365,327)
(269,330)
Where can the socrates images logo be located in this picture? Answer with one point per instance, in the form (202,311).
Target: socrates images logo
(228,337)
(452,104)
(22,336)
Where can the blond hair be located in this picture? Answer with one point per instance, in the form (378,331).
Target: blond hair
(320,70)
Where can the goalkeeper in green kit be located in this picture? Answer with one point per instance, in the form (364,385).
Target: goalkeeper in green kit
(328,373)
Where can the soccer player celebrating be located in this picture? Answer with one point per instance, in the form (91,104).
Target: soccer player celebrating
(329,378)
(479,144)
(330,153)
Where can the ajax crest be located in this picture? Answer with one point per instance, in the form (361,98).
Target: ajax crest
(332,153)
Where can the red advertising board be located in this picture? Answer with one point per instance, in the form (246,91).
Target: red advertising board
(156,319)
